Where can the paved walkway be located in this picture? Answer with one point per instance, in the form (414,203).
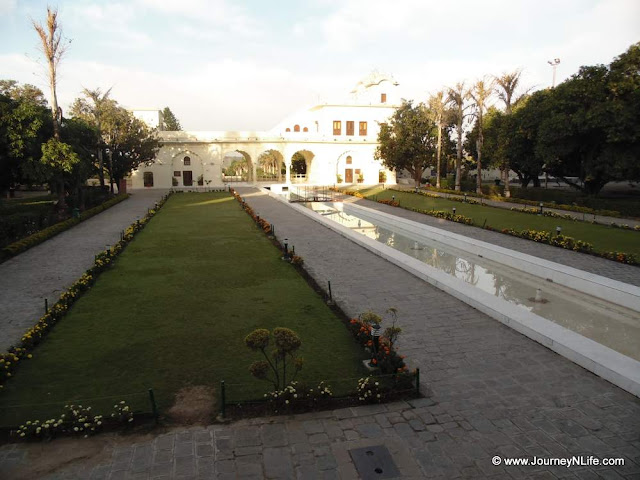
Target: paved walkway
(491,392)
(46,270)
(603,219)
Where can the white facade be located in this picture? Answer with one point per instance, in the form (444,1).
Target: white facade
(337,140)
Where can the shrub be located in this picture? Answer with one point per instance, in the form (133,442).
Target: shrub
(287,342)
(369,390)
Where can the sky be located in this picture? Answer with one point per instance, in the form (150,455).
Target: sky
(248,64)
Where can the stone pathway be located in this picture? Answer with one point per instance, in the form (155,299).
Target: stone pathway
(605,220)
(491,392)
(46,270)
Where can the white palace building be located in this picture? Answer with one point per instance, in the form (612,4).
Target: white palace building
(336,140)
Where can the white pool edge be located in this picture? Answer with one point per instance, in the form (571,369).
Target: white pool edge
(603,361)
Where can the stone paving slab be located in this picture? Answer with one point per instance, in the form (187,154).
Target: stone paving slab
(491,392)
(46,270)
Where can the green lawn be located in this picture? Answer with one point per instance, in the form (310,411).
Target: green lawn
(174,310)
(603,238)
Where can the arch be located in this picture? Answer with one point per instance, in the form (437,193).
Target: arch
(288,129)
(305,129)
(301,165)
(237,166)
(189,167)
(296,128)
(271,166)
(346,165)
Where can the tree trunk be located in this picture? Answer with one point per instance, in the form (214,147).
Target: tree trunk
(459,156)
(100,167)
(536,181)
(479,144)
(507,192)
(439,148)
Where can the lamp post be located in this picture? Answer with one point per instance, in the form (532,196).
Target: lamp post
(375,336)
(554,63)
(558,230)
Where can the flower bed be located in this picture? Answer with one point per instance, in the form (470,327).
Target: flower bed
(32,240)
(32,337)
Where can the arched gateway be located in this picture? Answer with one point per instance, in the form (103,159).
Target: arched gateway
(320,140)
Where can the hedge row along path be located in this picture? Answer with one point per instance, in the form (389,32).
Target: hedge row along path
(506,204)
(46,270)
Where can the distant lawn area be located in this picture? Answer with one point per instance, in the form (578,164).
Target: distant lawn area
(173,311)
(602,237)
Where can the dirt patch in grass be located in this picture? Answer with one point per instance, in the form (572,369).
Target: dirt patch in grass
(194,405)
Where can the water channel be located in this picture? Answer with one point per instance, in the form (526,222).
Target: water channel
(609,324)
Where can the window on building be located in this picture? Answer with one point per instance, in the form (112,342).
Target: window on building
(296,128)
(383,98)
(337,127)
(177,173)
(305,129)
(148,179)
(350,127)
(187,161)
(349,160)
(363,129)
(358,171)
(288,129)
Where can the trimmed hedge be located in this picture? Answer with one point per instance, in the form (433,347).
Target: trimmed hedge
(32,240)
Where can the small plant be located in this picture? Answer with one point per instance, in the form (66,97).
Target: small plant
(339,178)
(287,343)
(369,390)
(122,413)
(382,176)
(174,181)
(297,260)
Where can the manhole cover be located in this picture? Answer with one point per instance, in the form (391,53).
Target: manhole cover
(374,462)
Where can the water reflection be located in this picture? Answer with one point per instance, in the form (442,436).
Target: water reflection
(606,323)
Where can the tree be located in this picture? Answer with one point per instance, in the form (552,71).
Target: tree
(129,142)
(54,48)
(408,141)
(481,92)
(440,113)
(25,123)
(506,86)
(458,97)
(91,109)
(169,120)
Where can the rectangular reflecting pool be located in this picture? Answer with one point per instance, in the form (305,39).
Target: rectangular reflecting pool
(606,323)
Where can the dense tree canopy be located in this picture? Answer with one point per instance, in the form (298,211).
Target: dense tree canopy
(409,140)
(585,131)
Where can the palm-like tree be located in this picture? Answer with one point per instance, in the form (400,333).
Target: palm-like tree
(506,86)
(457,98)
(480,93)
(438,108)
(92,109)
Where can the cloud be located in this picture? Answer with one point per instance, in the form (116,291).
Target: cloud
(8,6)
(210,14)
(115,24)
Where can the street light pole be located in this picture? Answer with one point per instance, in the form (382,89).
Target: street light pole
(554,63)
